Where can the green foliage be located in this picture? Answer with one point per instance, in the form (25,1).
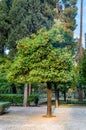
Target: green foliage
(66,13)
(4,106)
(4,24)
(38,61)
(33,98)
(70,22)
(19,18)
(60,37)
(84,67)
(14,99)
(4,66)
(81,70)
(73,103)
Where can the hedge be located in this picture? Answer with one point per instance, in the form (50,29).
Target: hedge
(14,99)
(17,99)
(4,107)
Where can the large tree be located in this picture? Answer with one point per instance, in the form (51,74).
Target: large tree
(4,24)
(66,11)
(39,61)
(19,18)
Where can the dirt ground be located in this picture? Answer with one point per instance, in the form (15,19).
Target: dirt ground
(31,118)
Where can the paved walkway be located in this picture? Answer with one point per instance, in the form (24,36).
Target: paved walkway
(31,118)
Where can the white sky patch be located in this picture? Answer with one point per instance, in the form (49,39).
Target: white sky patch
(76,35)
(7,51)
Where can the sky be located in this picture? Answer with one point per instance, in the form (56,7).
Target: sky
(77,31)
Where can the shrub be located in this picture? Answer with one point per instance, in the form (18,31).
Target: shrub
(4,106)
(14,99)
(33,98)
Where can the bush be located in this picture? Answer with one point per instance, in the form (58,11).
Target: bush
(33,98)
(4,106)
(14,99)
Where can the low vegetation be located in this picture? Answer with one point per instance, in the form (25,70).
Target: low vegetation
(4,107)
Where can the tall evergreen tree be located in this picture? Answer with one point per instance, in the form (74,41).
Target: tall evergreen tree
(66,13)
(23,17)
(69,15)
(4,23)
(20,18)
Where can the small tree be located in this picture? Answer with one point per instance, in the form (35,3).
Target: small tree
(38,61)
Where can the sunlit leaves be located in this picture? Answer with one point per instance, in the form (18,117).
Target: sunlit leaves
(38,60)
(4,67)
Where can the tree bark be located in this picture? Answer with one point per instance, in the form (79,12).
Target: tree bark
(85,94)
(80,99)
(56,96)
(64,95)
(2,51)
(29,89)
(26,86)
(80,93)
(49,104)
(13,89)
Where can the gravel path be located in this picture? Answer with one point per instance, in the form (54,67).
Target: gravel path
(31,118)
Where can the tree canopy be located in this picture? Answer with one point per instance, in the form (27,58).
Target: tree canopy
(66,11)
(39,61)
(20,18)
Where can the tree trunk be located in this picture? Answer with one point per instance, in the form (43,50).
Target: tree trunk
(56,96)
(85,94)
(49,104)
(80,99)
(80,93)
(80,40)
(29,89)
(2,50)
(64,95)
(25,95)
(13,89)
